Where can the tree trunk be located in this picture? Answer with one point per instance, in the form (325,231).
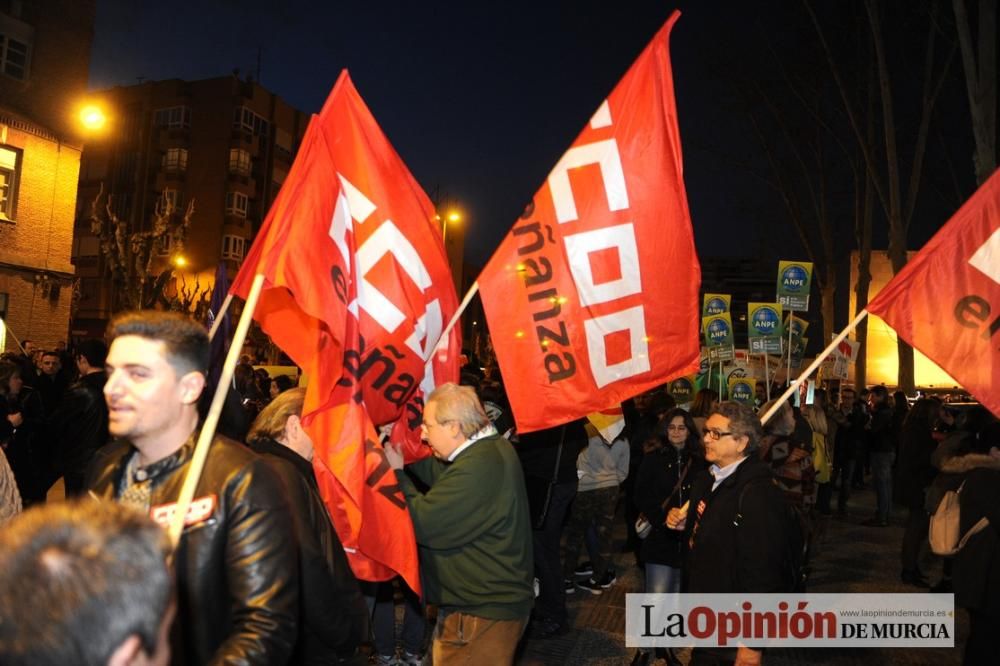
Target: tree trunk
(980,82)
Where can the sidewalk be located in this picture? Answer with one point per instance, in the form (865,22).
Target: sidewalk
(848,558)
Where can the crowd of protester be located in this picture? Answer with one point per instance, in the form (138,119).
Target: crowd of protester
(507,524)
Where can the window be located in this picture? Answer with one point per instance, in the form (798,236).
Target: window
(173,117)
(172,198)
(176,160)
(248,121)
(233,247)
(165,245)
(239,161)
(13,57)
(10,164)
(236,204)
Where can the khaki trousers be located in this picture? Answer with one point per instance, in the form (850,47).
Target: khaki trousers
(460,638)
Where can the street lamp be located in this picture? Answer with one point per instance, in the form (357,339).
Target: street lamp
(92,118)
(452,216)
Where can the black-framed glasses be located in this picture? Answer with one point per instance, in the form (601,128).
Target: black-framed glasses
(716,434)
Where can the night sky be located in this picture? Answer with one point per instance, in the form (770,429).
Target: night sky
(481,99)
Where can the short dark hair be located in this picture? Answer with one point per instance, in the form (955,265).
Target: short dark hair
(77,579)
(49,352)
(95,351)
(283,382)
(742,423)
(186,341)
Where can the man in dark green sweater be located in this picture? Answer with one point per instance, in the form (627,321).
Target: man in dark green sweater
(473,530)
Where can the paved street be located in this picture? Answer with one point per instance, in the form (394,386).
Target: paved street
(849,558)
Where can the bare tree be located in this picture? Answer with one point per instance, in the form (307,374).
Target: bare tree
(131,255)
(885,174)
(981,82)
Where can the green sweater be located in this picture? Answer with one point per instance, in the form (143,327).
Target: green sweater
(474,531)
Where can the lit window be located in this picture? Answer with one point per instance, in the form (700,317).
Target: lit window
(13,57)
(10,164)
(173,117)
(233,247)
(239,161)
(236,204)
(175,160)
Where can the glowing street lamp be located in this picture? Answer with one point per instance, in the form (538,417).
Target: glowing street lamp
(454,217)
(92,118)
(180,261)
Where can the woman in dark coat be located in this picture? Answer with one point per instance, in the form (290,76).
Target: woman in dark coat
(916,444)
(672,461)
(23,418)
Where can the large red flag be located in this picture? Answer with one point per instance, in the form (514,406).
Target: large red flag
(357,292)
(593,296)
(946,300)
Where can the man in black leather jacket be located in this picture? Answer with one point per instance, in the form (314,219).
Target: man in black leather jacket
(237,560)
(79,426)
(333,615)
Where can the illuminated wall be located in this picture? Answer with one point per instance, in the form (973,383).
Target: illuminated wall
(883,362)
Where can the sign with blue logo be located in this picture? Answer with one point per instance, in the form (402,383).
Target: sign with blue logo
(714,304)
(719,336)
(795,326)
(764,329)
(794,280)
(741,390)
(682,390)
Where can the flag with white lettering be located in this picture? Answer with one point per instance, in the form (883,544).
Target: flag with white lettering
(357,292)
(593,295)
(946,300)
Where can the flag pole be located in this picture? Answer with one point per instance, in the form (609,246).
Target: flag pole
(212,420)
(454,319)
(16,341)
(788,367)
(812,367)
(219,316)
(767,376)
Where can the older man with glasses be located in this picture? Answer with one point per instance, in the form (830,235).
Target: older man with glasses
(473,529)
(736,523)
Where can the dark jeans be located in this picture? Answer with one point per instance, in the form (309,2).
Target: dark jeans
(916,532)
(882,475)
(591,507)
(824,493)
(846,471)
(381,600)
(981,647)
(551,601)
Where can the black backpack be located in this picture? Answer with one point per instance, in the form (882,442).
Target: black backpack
(796,533)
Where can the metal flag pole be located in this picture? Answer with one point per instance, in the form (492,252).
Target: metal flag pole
(454,319)
(212,420)
(812,367)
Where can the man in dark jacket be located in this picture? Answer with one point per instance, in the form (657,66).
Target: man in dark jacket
(79,427)
(473,529)
(237,560)
(881,452)
(736,522)
(333,615)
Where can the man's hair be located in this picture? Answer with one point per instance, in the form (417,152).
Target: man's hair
(283,382)
(880,392)
(77,579)
(186,341)
(49,352)
(95,351)
(270,423)
(459,404)
(742,423)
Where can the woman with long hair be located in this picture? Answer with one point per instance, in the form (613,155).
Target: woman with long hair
(705,401)
(673,459)
(822,446)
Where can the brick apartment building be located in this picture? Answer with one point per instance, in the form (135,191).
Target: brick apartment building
(225,143)
(44,56)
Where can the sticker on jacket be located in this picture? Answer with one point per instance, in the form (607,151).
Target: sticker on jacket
(200,510)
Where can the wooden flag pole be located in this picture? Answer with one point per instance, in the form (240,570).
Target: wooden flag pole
(767,376)
(219,315)
(812,367)
(454,319)
(16,341)
(212,420)
(788,367)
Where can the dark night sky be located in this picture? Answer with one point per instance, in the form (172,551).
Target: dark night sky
(481,99)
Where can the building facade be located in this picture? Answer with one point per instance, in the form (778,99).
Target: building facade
(44,57)
(224,145)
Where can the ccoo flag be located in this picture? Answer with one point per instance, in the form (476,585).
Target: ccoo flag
(593,295)
(357,292)
(946,300)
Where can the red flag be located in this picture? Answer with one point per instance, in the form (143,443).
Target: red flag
(946,300)
(593,296)
(357,292)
